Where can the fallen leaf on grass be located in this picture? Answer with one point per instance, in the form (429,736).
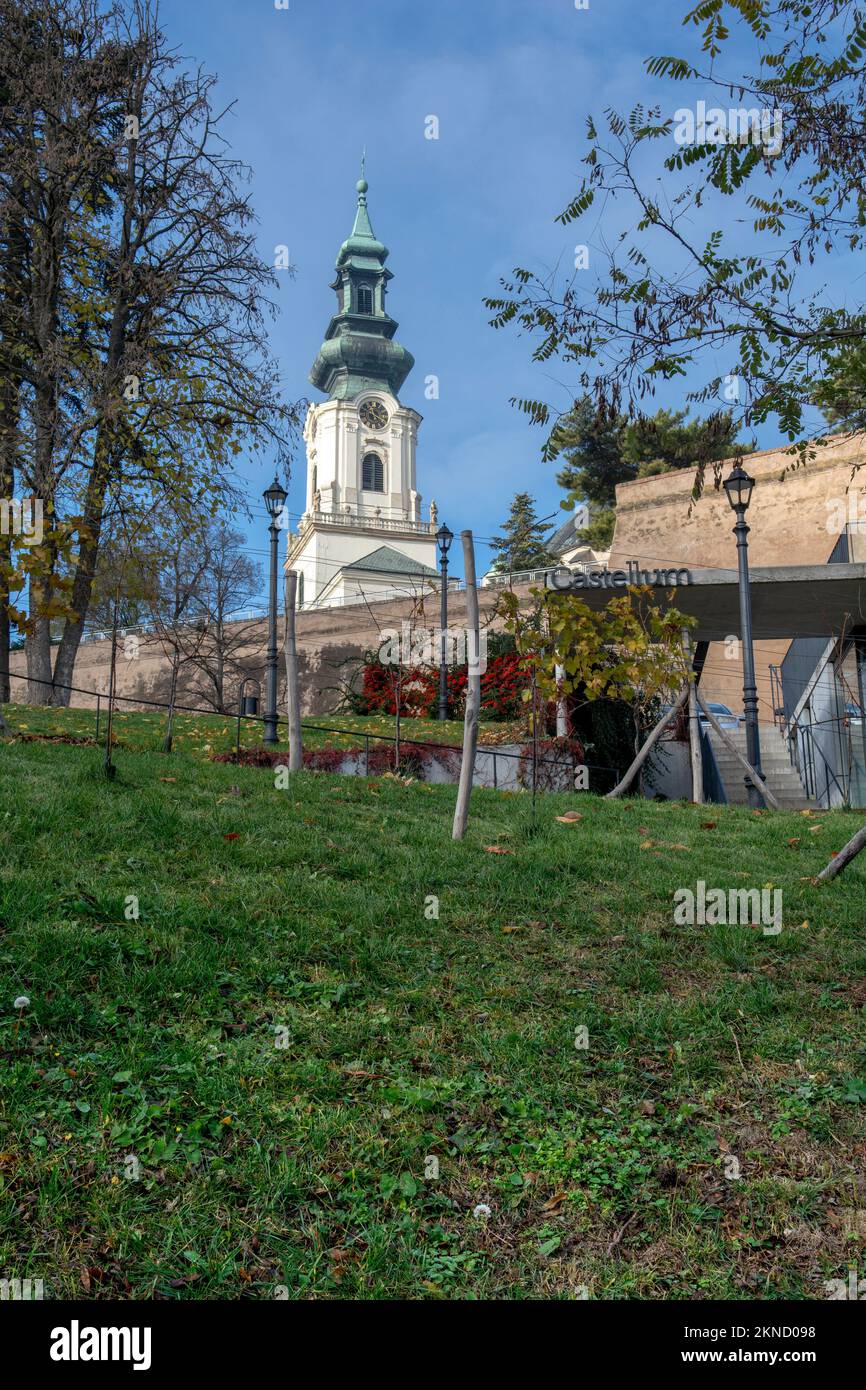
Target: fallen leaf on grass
(647,844)
(555,1202)
(569,818)
(511,929)
(794,840)
(497,849)
(168,779)
(708,824)
(232,836)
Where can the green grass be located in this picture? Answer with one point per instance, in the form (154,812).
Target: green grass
(240,1091)
(203,734)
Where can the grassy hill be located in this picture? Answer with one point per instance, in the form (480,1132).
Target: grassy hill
(249,1088)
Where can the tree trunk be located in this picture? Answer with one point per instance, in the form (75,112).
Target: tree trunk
(11,296)
(473,692)
(168,741)
(694,730)
(293,701)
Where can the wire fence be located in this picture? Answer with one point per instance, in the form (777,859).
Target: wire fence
(500,768)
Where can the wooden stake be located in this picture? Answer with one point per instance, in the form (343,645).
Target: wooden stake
(473,690)
(768,796)
(648,746)
(296,755)
(845,855)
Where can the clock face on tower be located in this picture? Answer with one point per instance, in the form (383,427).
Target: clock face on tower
(374,415)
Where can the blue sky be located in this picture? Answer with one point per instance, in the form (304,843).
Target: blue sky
(511,84)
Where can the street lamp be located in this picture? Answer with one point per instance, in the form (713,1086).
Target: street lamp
(275,498)
(738,486)
(444,537)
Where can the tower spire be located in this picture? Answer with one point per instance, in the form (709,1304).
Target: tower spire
(359,351)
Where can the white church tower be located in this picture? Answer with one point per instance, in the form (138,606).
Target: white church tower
(361,534)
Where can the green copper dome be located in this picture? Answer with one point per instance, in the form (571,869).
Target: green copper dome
(359,352)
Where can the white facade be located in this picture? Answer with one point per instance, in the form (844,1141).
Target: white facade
(342,522)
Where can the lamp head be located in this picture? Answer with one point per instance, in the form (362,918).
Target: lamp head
(738,486)
(275,497)
(444,537)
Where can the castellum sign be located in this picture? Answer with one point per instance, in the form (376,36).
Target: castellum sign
(564,579)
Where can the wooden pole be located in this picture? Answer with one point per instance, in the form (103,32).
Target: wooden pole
(110,769)
(648,746)
(694,729)
(764,790)
(473,690)
(296,756)
(845,855)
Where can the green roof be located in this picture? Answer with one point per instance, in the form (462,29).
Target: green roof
(386,560)
(359,352)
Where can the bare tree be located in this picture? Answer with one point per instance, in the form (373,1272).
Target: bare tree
(227,583)
(143,311)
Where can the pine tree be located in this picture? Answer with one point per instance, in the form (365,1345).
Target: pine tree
(522,543)
(602,452)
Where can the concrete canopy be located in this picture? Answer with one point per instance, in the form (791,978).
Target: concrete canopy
(787,601)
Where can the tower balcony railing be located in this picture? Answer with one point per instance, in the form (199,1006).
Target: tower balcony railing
(368,519)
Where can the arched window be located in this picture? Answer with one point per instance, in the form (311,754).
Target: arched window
(373,474)
(365,299)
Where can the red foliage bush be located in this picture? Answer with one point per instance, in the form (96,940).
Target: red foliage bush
(502,686)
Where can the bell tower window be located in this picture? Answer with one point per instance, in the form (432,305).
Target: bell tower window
(373,474)
(365,299)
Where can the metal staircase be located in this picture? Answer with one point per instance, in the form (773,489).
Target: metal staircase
(782,779)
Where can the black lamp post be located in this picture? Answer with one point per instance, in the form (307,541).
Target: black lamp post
(444,537)
(738,486)
(275,498)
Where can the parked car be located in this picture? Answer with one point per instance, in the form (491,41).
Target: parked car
(725,717)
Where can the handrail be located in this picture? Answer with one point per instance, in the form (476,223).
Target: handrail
(806,736)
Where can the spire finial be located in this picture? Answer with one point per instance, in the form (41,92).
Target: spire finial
(362,184)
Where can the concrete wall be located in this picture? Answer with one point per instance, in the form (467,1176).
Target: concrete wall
(331,645)
(659,525)
(656,525)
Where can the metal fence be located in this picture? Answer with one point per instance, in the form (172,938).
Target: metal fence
(502,760)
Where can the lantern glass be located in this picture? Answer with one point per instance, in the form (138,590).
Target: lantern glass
(444,538)
(275,497)
(738,486)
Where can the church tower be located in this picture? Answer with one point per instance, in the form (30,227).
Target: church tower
(361,534)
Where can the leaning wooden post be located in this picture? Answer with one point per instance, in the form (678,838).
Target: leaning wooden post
(694,728)
(296,757)
(732,748)
(845,855)
(648,746)
(473,690)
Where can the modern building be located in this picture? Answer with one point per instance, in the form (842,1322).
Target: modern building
(807,548)
(362,534)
